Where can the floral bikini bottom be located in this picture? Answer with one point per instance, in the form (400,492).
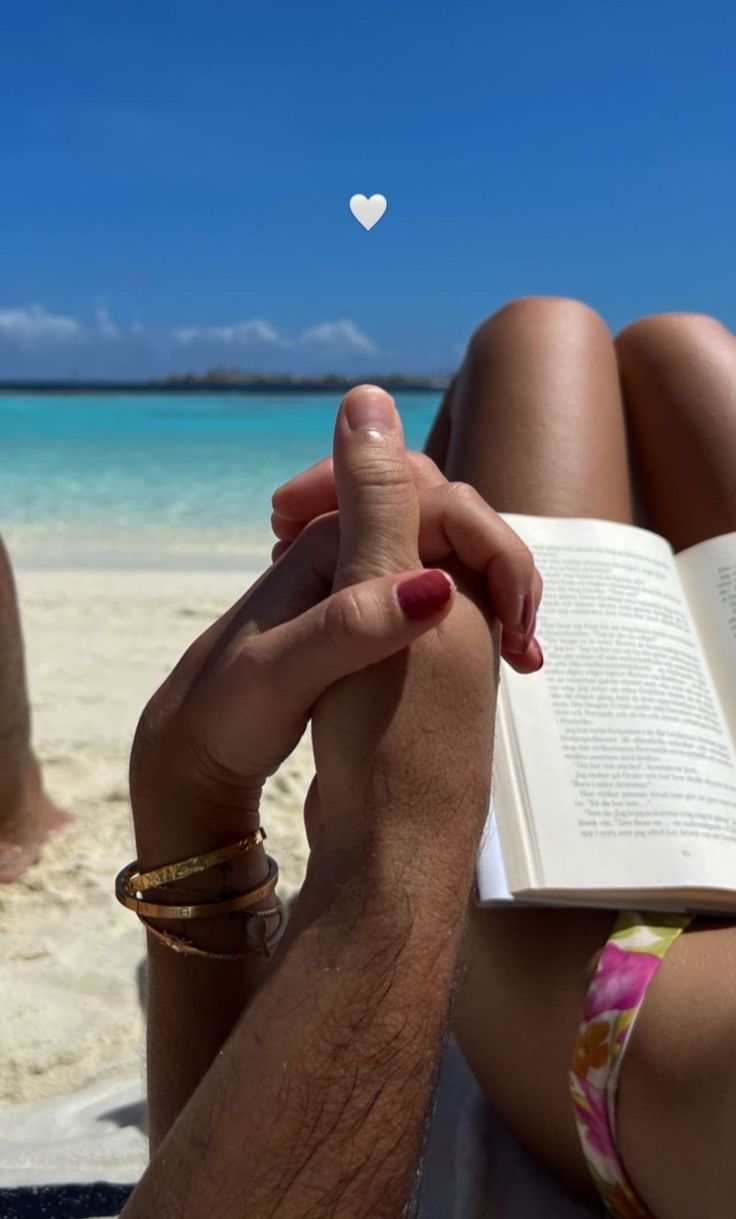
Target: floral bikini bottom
(633,953)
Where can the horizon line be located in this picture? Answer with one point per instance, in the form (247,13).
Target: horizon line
(246,384)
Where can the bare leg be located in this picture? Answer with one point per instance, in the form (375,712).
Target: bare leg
(438,439)
(536,424)
(678,373)
(679,377)
(27,816)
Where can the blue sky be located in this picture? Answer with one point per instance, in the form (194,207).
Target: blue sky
(174,177)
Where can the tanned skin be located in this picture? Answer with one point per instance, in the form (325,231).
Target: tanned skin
(301,1087)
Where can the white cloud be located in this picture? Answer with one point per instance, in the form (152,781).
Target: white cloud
(343,335)
(338,336)
(33,325)
(238,334)
(106,327)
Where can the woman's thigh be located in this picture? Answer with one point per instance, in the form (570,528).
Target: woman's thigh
(534,420)
(678,372)
(543,369)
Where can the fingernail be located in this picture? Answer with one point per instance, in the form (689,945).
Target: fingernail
(370,410)
(527,613)
(424,595)
(514,644)
(537,653)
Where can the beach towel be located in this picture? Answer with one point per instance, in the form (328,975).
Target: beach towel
(78,1156)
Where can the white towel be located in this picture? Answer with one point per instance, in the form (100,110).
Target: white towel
(473,1169)
(92,1135)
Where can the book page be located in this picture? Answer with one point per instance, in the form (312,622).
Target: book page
(627,762)
(491,877)
(708,575)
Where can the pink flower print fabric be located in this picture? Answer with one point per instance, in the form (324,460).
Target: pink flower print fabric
(632,955)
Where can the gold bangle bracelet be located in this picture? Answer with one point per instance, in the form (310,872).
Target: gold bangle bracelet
(140,881)
(183,946)
(202,909)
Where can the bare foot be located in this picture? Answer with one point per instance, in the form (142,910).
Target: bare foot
(25,827)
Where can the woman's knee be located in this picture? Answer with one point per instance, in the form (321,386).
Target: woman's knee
(668,335)
(535,316)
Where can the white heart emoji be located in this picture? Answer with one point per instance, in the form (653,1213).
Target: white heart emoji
(368,211)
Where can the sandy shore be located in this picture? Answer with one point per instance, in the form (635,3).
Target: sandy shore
(98,644)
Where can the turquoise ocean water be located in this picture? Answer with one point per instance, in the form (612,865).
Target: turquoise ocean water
(159,480)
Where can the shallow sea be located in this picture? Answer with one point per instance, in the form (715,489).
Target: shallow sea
(159,480)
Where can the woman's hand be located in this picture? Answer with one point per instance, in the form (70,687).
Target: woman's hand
(239,700)
(454,519)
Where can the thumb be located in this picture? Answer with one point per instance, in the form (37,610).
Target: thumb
(376,494)
(358,626)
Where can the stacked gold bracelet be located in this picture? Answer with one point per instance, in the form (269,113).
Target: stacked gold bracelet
(131,886)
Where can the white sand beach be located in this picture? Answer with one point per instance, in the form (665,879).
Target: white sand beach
(71,1028)
(98,643)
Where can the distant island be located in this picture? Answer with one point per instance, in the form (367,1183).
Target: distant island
(229,380)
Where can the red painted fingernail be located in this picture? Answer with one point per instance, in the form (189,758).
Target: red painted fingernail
(513,643)
(527,614)
(424,595)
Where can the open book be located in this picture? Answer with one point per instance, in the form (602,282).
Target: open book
(614,772)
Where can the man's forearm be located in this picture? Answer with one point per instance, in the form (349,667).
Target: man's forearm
(317,1104)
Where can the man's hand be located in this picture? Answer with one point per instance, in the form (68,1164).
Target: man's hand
(400,746)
